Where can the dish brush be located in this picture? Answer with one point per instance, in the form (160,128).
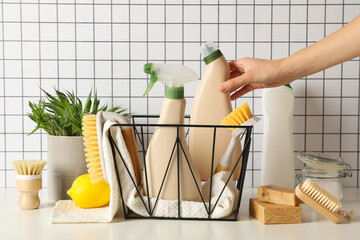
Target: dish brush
(322,201)
(236,118)
(28,182)
(92,126)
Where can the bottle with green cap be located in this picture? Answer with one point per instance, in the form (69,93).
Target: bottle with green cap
(210,106)
(162,146)
(277,161)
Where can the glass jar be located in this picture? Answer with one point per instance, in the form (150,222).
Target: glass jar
(324,170)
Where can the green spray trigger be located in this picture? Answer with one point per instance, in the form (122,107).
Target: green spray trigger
(174,76)
(148,68)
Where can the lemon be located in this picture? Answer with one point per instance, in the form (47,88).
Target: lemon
(87,194)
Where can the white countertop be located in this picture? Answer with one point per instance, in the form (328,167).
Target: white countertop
(34,224)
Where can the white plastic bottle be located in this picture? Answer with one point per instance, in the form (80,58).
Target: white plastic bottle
(162,143)
(277,163)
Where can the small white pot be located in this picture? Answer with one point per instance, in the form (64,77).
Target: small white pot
(66,161)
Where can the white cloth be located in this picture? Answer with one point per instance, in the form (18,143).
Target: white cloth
(67,211)
(188,209)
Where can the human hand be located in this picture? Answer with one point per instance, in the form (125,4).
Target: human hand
(248,74)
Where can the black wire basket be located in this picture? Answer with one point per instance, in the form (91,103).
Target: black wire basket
(143,132)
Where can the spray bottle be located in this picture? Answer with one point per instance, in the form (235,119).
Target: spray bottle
(164,145)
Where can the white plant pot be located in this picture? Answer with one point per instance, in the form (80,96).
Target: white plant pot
(66,161)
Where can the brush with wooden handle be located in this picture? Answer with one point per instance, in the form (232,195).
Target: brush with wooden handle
(92,126)
(236,118)
(28,182)
(322,201)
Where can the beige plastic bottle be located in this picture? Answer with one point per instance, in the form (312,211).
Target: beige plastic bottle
(164,146)
(210,106)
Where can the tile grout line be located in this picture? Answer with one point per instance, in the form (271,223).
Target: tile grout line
(147,60)
(255,97)
(40,76)
(257,151)
(236,35)
(135,60)
(22,81)
(171,23)
(138,78)
(112,53)
(323,90)
(271,28)
(253,100)
(218,23)
(306,79)
(165,22)
(57,44)
(4,85)
(94,41)
(341,85)
(289,53)
(182,33)
(358,133)
(129,11)
(200,57)
(318,133)
(75,45)
(154,41)
(188,4)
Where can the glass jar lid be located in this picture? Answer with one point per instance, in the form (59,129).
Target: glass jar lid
(324,162)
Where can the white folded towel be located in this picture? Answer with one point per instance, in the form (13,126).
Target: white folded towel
(67,211)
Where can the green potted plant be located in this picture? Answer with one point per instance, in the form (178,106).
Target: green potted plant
(60,115)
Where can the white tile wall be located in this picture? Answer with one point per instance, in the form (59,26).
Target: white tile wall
(104,44)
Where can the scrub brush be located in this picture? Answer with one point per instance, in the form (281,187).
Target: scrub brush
(28,182)
(236,118)
(322,201)
(92,127)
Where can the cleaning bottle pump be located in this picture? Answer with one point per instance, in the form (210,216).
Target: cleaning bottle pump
(166,140)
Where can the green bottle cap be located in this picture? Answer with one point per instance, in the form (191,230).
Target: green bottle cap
(174,92)
(288,85)
(213,56)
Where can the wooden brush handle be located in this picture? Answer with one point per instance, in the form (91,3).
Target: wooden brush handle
(335,217)
(130,141)
(28,190)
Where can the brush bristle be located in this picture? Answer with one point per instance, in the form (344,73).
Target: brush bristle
(92,148)
(238,116)
(28,167)
(247,111)
(321,195)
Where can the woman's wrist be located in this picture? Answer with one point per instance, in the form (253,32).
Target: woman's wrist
(290,69)
(285,73)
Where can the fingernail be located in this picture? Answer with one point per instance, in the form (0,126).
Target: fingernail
(222,88)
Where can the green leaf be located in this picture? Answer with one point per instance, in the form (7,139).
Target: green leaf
(61,114)
(88,104)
